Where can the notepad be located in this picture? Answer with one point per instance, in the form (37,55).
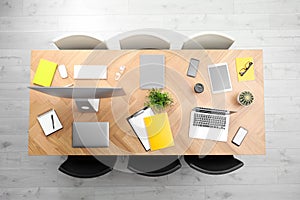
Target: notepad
(49,122)
(44,73)
(159,131)
(240,64)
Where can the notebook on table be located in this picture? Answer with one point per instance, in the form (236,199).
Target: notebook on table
(44,73)
(49,122)
(159,131)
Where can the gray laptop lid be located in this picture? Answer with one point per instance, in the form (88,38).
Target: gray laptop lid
(90,134)
(152,71)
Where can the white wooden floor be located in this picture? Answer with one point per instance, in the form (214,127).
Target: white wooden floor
(273,25)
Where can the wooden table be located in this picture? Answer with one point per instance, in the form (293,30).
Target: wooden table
(115,110)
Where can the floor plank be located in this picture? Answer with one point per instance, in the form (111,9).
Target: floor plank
(74,7)
(46,193)
(163,192)
(266,6)
(11,7)
(173,7)
(248,192)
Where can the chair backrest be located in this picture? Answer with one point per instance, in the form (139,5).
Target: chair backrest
(79,42)
(153,166)
(214,165)
(144,42)
(87,166)
(208,41)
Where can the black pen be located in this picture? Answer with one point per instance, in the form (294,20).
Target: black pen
(52,121)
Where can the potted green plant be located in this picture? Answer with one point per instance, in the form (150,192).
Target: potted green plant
(158,100)
(245,98)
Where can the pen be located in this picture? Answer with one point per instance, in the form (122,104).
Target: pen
(52,121)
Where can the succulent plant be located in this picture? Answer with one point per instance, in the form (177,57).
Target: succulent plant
(245,98)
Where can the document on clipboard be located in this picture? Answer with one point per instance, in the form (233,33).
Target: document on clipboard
(136,122)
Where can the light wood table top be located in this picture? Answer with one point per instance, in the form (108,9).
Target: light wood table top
(115,110)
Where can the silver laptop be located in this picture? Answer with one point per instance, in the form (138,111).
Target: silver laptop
(90,134)
(152,71)
(208,123)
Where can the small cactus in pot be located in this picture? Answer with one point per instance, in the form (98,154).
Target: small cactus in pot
(245,98)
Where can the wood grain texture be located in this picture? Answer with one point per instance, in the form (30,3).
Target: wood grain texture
(122,140)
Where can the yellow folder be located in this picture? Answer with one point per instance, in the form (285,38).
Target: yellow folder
(159,131)
(44,73)
(240,64)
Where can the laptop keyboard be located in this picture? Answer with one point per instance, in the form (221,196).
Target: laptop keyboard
(211,121)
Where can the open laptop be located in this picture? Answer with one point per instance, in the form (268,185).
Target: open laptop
(90,134)
(208,123)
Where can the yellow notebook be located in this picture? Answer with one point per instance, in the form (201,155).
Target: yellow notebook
(159,131)
(240,64)
(44,73)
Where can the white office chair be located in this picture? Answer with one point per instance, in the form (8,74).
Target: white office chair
(79,42)
(209,41)
(144,41)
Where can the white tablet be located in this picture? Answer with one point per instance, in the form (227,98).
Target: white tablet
(219,78)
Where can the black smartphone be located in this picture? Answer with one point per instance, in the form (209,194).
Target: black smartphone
(239,136)
(193,67)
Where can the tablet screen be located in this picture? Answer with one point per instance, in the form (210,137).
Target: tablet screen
(219,78)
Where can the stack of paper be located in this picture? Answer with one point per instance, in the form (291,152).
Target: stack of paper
(44,73)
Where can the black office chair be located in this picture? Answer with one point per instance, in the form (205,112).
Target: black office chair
(215,165)
(153,166)
(87,166)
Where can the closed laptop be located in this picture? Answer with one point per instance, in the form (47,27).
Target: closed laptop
(90,134)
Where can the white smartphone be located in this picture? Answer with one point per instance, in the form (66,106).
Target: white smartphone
(239,136)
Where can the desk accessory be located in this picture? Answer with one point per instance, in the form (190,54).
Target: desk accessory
(62,71)
(159,131)
(136,121)
(158,100)
(219,78)
(245,69)
(239,136)
(49,122)
(44,73)
(245,98)
(198,88)
(193,67)
(90,134)
(118,74)
(90,72)
(152,71)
